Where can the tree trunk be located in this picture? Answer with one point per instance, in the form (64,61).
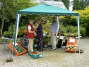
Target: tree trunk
(1,30)
(71,5)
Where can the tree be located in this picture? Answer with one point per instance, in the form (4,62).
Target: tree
(84,19)
(66,2)
(78,4)
(8,11)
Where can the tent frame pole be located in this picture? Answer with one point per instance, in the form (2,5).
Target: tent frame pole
(58,23)
(16,27)
(78,24)
(57,19)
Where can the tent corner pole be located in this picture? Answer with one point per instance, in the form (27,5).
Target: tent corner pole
(58,23)
(78,24)
(16,28)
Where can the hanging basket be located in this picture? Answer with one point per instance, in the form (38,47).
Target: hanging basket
(18,49)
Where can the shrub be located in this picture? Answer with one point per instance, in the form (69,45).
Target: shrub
(84,21)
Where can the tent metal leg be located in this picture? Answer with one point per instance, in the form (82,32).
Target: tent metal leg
(16,29)
(58,22)
(78,23)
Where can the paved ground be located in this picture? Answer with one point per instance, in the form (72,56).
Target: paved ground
(57,58)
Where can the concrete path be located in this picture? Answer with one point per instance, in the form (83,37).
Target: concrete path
(57,58)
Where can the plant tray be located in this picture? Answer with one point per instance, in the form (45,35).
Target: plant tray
(70,51)
(34,55)
(18,49)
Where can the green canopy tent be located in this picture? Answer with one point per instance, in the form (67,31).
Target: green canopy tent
(45,9)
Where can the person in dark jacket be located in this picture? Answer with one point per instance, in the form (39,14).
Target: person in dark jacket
(39,36)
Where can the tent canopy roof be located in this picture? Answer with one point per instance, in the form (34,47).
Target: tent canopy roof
(44,9)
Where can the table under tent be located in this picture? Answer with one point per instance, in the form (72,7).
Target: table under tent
(45,9)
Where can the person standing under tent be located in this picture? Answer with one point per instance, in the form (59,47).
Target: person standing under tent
(30,35)
(54,31)
(40,36)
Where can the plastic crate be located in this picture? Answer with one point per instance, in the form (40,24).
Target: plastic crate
(18,49)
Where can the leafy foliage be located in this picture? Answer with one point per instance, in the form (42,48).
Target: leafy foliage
(8,14)
(9,9)
(66,2)
(84,19)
